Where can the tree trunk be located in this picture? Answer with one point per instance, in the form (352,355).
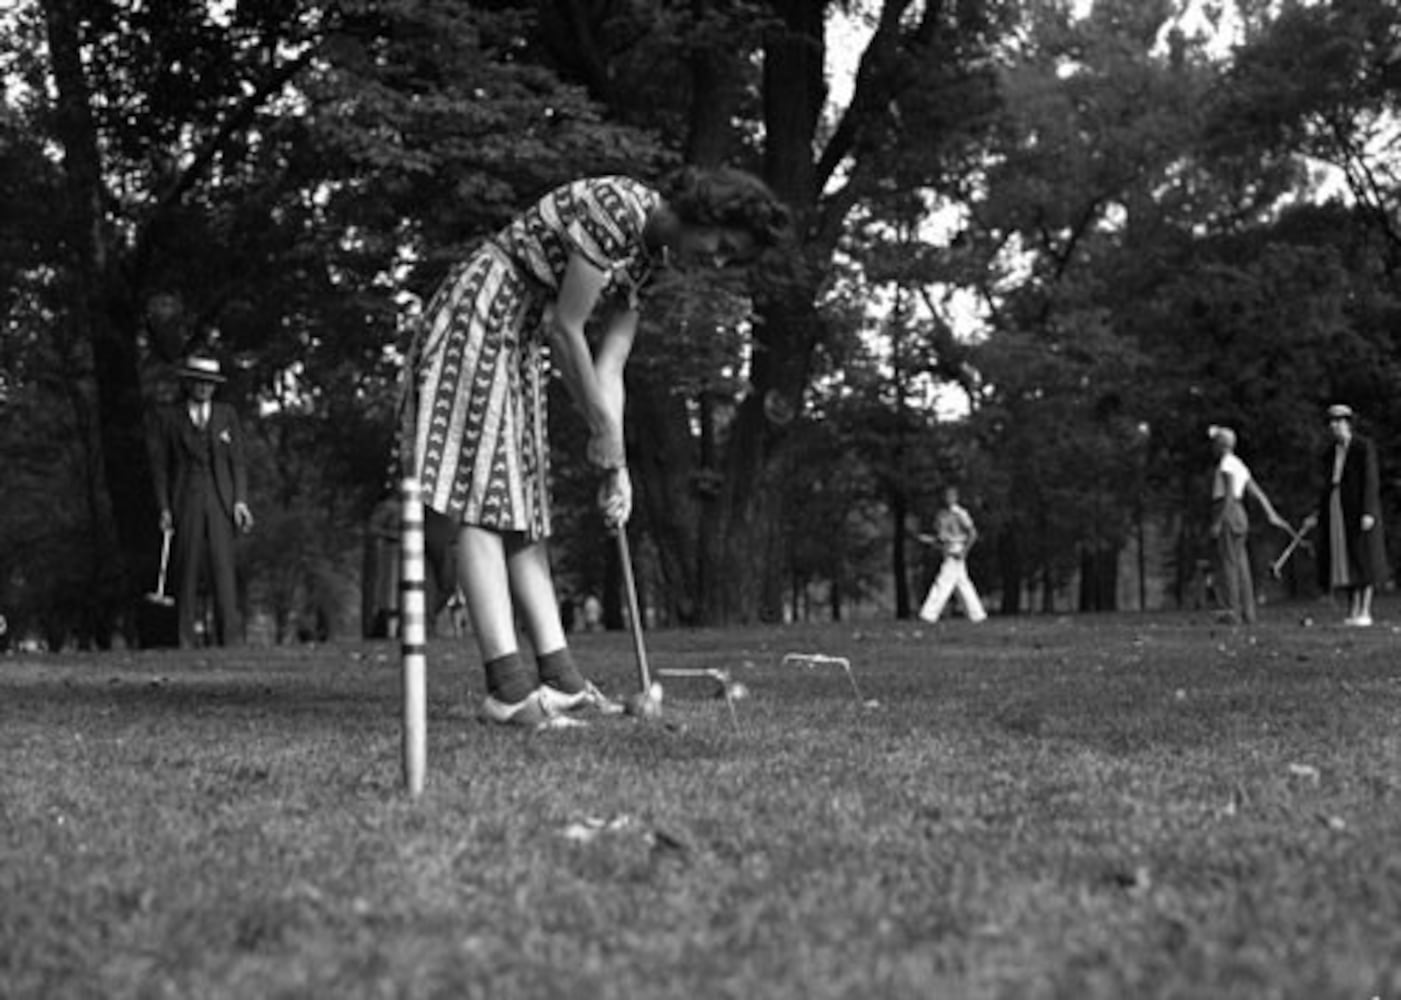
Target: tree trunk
(712,515)
(1099,577)
(899,510)
(674,494)
(740,534)
(126,461)
(716,517)
(1009,562)
(101,308)
(745,513)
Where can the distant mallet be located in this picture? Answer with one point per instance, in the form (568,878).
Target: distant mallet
(159,596)
(1278,564)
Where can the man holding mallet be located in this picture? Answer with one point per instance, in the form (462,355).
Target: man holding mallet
(201,485)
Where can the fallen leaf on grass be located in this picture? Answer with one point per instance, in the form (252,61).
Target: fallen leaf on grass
(1137,881)
(1234,804)
(1305,771)
(590,827)
(664,843)
(561,722)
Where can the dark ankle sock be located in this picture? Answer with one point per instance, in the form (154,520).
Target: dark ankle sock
(559,671)
(508,680)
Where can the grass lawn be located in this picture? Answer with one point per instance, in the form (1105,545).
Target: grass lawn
(1119,807)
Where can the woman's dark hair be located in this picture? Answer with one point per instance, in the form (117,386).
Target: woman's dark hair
(735,199)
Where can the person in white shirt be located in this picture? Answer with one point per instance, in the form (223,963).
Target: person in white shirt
(1230,525)
(955,534)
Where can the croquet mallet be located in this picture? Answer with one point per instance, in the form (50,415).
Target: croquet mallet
(647,701)
(1296,540)
(159,596)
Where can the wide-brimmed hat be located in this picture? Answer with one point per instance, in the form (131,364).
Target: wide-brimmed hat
(201,369)
(1340,411)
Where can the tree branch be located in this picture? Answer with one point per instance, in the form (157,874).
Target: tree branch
(870,95)
(237,121)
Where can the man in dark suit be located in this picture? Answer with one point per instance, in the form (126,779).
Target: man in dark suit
(202,489)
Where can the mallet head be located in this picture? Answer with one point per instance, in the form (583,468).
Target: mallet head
(646,704)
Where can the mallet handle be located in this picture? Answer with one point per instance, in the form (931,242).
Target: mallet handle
(644,675)
(1278,564)
(165,562)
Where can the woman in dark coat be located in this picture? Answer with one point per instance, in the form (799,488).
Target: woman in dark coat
(1352,542)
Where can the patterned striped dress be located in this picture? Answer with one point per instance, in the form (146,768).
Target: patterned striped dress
(479,367)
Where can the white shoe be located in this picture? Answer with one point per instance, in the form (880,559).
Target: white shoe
(557,702)
(1361,621)
(529,712)
(928,619)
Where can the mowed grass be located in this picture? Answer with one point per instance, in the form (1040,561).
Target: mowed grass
(1121,806)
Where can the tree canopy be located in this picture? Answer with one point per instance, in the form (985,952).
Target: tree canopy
(1158,232)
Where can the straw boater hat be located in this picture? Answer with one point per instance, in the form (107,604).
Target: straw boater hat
(201,370)
(1340,411)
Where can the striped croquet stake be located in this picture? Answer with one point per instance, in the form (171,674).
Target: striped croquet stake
(413,633)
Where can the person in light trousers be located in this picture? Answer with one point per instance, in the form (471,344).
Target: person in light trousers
(1231,483)
(955,534)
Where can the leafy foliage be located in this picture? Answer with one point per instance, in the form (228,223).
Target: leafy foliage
(1140,219)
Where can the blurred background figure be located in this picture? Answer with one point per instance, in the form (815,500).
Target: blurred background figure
(1230,526)
(380,569)
(1352,544)
(955,535)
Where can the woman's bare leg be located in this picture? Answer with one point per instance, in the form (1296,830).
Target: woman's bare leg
(485,583)
(562,686)
(533,589)
(483,574)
